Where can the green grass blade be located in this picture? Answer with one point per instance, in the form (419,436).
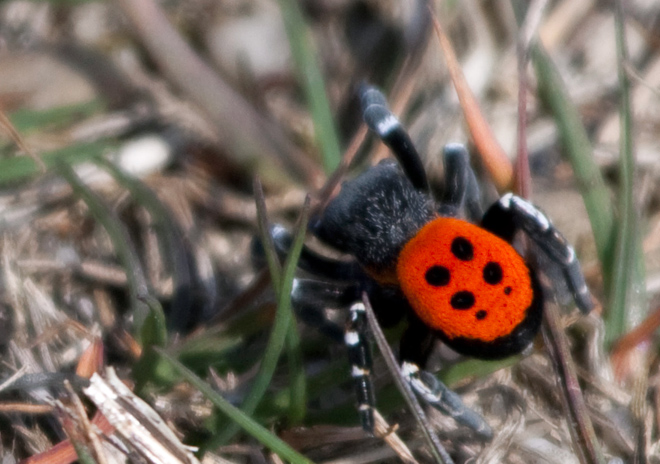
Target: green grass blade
(475,369)
(154,329)
(627,290)
(210,347)
(257,431)
(278,335)
(26,120)
(297,377)
(137,282)
(309,72)
(83,452)
(21,168)
(170,237)
(267,244)
(298,395)
(151,367)
(578,151)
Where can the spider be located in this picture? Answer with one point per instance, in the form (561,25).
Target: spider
(447,267)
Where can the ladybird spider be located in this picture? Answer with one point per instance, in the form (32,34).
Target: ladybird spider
(453,279)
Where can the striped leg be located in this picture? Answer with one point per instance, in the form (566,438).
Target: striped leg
(512,213)
(359,355)
(309,261)
(436,394)
(380,120)
(416,347)
(310,299)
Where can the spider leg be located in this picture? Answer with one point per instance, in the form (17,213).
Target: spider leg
(359,355)
(380,120)
(461,187)
(309,260)
(438,395)
(310,298)
(512,213)
(416,346)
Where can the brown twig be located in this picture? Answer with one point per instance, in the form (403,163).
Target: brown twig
(438,451)
(18,140)
(492,155)
(580,426)
(527,33)
(632,339)
(25,408)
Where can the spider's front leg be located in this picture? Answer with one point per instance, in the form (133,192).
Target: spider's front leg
(462,191)
(416,343)
(512,213)
(380,120)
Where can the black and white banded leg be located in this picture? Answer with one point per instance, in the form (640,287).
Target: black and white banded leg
(416,347)
(310,299)
(381,121)
(436,394)
(512,213)
(359,356)
(311,261)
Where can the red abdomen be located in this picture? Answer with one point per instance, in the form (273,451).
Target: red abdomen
(464,281)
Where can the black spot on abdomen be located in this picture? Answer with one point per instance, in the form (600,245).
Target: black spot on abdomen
(492,273)
(462,249)
(462,300)
(437,276)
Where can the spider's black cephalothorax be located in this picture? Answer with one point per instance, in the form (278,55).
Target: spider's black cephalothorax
(374,215)
(447,267)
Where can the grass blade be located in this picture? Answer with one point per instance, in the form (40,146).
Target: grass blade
(274,266)
(298,382)
(297,376)
(582,430)
(21,168)
(278,334)
(137,283)
(474,369)
(309,72)
(150,367)
(172,238)
(492,155)
(627,296)
(578,150)
(239,417)
(27,120)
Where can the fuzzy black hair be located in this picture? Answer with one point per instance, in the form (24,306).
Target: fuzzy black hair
(374,215)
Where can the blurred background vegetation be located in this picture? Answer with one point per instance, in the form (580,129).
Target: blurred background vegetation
(132,132)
